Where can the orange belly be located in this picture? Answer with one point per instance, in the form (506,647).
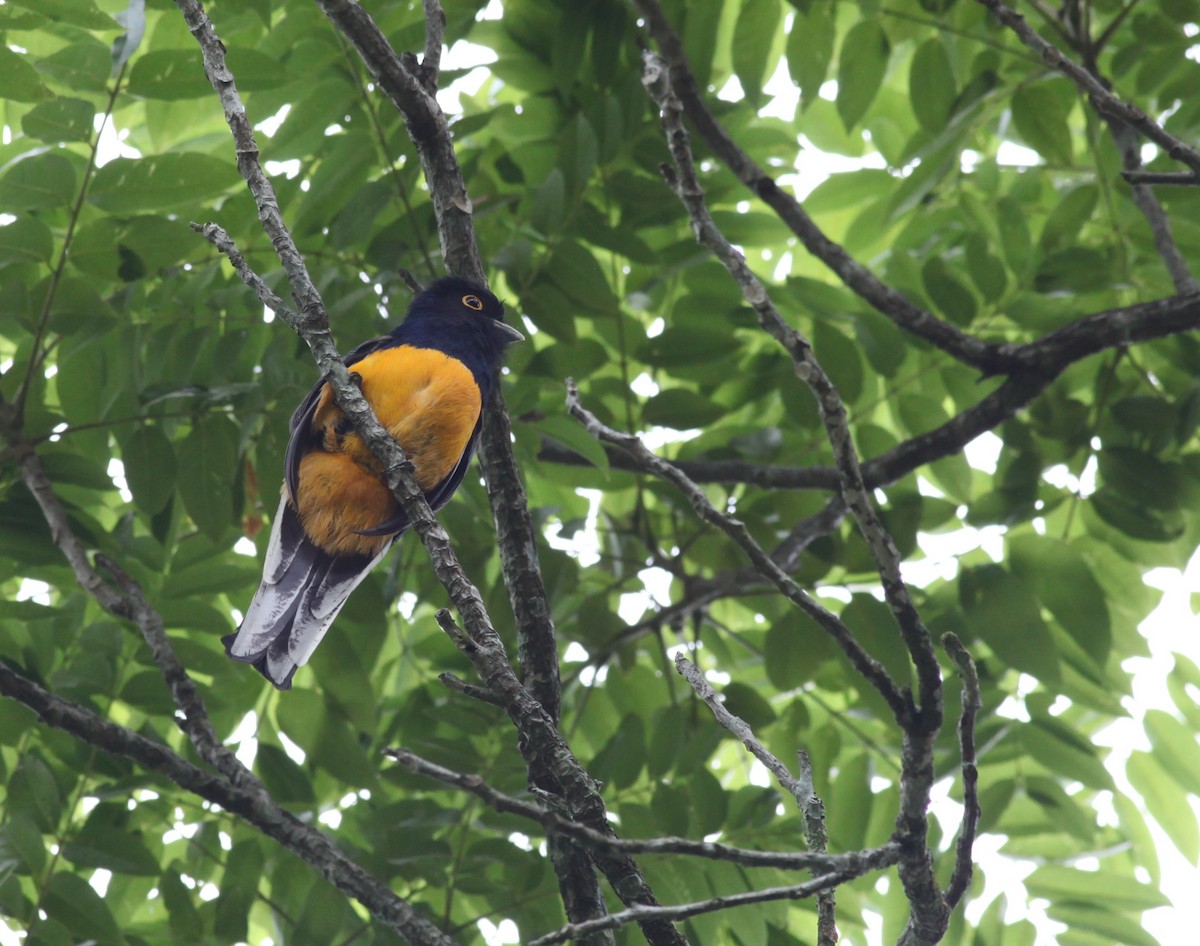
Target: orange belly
(428,401)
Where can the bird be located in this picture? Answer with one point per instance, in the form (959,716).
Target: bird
(428,381)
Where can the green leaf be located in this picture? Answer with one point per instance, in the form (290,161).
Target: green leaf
(33,791)
(19,79)
(1039,112)
(985,270)
(206,463)
(83,66)
(160,182)
(1110,927)
(709,801)
(575,271)
(169,74)
(21,846)
(239,885)
(1166,802)
(931,86)
(795,650)
(150,470)
(83,13)
(953,299)
(839,356)
(1065,584)
(62,119)
(549,201)
(287,782)
(185,921)
(1136,521)
(71,900)
(1175,748)
(622,758)
(681,409)
(115,849)
(753,37)
(862,62)
(577,153)
(1073,885)
(1064,753)
(572,436)
(746,702)
(810,44)
(1002,610)
(25,240)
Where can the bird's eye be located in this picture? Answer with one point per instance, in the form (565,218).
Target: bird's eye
(473,302)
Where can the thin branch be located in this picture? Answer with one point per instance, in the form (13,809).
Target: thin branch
(36,352)
(257,808)
(795,787)
(684,181)
(451,682)
(435,31)
(856,277)
(684,910)
(427,127)
(800,788)
(862,661)
(1176,178)
(218,237)
(547,756)
(192,716)
(960,879)
(1102,99)
(553,822)
(817,838)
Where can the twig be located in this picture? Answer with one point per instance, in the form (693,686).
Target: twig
(684,910)
(192,716)
(257,808)
(435,30)
(1102,99)
(862,661)
(430,134)
(1179,178)
(856,277)
(817,838)
(552,821)
(450,681)
(800,788)
(218,237)
(684,181)
(800,791)
(960,879)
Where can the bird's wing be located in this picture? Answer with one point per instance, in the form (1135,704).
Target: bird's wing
(301,439)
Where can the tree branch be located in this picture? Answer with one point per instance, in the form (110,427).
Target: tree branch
(430,134)
(1102,99)
(862,661)
(856,277)
(554,822)
(960,879)
(256,807)
(684,910)
(684,181)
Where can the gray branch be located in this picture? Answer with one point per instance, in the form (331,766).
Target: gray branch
(1102,99)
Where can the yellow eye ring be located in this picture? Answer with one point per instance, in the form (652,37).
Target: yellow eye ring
(473,302)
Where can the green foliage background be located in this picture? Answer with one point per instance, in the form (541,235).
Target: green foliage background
(157,356)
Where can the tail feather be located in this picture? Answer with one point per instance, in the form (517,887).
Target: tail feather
(302,591)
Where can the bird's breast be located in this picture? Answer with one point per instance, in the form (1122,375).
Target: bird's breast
(427,400)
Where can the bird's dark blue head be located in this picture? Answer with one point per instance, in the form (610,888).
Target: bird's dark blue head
(462,319)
